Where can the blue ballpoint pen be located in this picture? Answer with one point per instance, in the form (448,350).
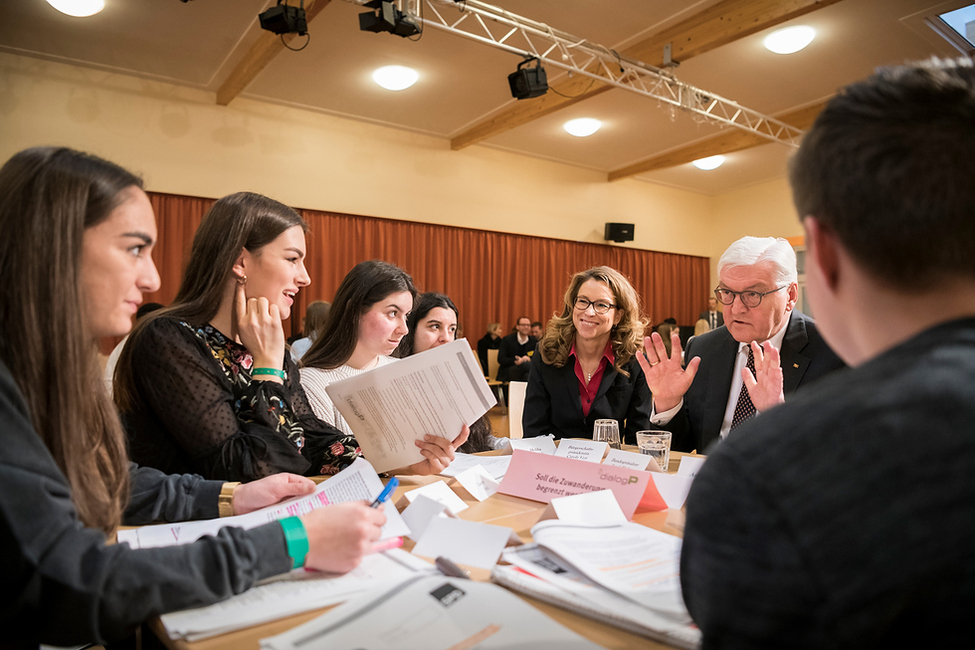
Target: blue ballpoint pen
(385,494)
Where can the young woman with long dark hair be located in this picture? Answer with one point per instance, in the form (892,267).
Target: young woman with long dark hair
(76,234)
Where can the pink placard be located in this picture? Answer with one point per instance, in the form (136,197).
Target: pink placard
(541,477)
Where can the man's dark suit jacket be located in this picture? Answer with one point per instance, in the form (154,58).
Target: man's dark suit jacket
(553,405)
(805,357)
(706,316)
(509,349)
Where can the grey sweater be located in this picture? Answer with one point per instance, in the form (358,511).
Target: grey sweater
(63,585)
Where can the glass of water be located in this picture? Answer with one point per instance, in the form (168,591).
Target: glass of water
(655,444)
(607,431)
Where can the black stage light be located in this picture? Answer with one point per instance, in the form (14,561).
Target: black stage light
(385,17)
(526,83)
(282,19)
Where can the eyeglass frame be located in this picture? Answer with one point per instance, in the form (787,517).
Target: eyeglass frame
(590,303)
(739,294)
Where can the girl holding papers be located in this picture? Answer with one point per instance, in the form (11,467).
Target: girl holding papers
(76,233)
(204,385)
(586,367)
(432,323)
(367,321)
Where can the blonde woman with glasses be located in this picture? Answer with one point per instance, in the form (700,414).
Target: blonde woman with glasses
(585,368)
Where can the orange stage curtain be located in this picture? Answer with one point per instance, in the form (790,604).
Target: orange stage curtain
(492,277)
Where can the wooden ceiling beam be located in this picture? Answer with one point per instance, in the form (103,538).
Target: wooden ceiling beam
(718,25)
(263,51)
(730,141)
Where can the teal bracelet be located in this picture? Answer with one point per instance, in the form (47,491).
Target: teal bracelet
(268,371)
(296,539)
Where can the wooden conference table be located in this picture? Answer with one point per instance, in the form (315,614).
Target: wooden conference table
(500,510)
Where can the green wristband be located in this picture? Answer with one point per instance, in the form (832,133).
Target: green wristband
(296,539)
(268,371)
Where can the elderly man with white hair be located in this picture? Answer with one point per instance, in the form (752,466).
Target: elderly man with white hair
(765,351)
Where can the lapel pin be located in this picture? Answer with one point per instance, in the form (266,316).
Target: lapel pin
(795,365)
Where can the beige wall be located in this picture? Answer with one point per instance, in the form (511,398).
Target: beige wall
(182,143)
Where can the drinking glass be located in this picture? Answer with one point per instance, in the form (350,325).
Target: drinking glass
(655,444)
(607,431)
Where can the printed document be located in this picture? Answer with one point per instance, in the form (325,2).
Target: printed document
(433,613)
(434,392)
(356,482)
(291,593)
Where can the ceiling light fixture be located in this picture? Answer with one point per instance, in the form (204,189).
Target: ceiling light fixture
(385,17)
(790,39)
(709,163)
(582,127)
(282,19)
(78,8)
(526,83)
(395,77)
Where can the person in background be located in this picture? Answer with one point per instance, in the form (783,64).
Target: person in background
(314,321)
(586,368)
(515,352)
(845,518)
(711,315)
(490,341)
(363,328)
(537,330)
(432,323)
(112,361)
(205,385)
(738,367)
(77,232)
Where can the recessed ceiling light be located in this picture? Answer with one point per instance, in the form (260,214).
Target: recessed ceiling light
(395,77)
(711,162)
(582,127)
(78,8)
(790,39)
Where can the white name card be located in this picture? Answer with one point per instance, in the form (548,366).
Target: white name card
(586,450)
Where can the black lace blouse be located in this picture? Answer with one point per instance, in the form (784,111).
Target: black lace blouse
(198,411)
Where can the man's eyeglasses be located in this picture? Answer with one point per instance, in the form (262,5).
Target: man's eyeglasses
(750,299)
(599,306)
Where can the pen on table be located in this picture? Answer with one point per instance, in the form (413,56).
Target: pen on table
(448,568)
(385,494)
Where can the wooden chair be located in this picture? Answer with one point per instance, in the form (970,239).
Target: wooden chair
(492,377)
(516,407)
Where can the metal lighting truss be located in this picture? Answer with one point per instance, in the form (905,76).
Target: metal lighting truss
(480,21)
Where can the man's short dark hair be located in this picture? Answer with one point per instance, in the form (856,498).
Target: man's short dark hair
(889,166)
(537,324)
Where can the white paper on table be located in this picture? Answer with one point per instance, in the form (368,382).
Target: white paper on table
(496,466)
(419,513)
(620,458)
(440,492)
(673,488)
(690,466)
(590,508)
(588,450)
(289,594)
(434,392)
(478,483)
(538,444)
(433,613)
(464,542)
(356,482)
(637,562)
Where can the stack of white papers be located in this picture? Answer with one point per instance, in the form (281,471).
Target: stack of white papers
(291,593)
(356,482)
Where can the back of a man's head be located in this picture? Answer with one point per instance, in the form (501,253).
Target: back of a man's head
(889,166)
